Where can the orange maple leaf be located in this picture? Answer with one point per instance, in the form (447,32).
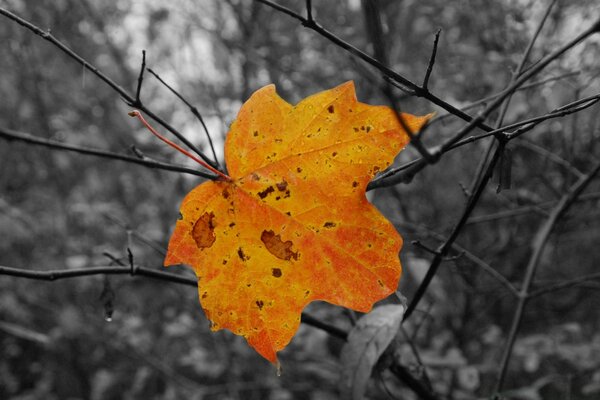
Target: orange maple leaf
(293,225)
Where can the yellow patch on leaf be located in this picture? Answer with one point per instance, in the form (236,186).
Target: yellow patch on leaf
(294,225)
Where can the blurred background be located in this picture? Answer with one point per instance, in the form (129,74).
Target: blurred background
(62,210)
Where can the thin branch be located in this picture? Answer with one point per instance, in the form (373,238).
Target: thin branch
(478,121)
(309,15)
(131,101)
(505,105)
(404,83)
(550,156)
(445,248)
(9,134)
(375,32)
(431,60)
(54,275)
(135,234)
(518,82)
(564,285)
(484,173)
(193,110)
(140,79)
(530,123)
(390,177)
(467,254)
(484,100)
(539,243)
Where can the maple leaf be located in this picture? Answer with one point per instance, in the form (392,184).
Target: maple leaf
(293,225)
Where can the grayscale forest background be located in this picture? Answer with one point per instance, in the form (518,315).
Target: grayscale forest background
(64,210)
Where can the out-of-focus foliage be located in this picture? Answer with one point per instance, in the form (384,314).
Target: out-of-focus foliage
(62,210)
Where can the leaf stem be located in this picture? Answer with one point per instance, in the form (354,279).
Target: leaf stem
(138,115)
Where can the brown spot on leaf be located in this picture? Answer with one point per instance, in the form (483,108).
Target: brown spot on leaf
(330,109)
(299,169)
(260,304)
(278,247)
(334,154)
(224,262)
(354,184)
(225,193)
(255,176)
(255,133)
(203,231)
(231,225)
(204,295)
(368,129)
(282,185)
(276,272)
(329,225)
(242,255)
(266,192)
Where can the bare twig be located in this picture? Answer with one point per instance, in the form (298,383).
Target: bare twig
(398,79)
(539,243)
(564,285)
(125,269)
(410,172)
(467,254)
(447,245)
(193,110)
(9,134)
(138,91)
(551,156)
(484,172)
(386,179)
(431,60)
(487,99)
(53,275)
(129,99)
(309,15)
(375,31)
